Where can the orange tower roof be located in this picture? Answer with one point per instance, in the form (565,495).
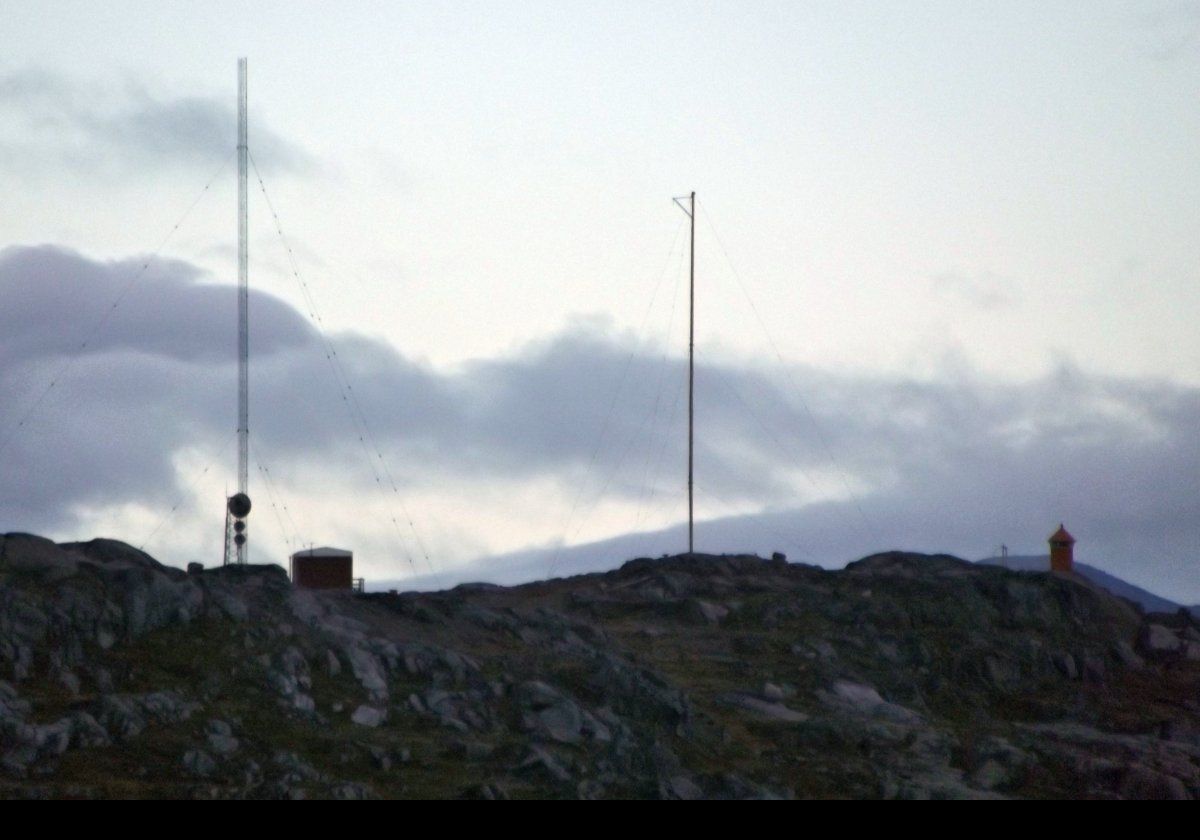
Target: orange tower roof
(1061,535)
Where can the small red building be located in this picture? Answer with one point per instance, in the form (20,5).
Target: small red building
(323,568)
(1062,550)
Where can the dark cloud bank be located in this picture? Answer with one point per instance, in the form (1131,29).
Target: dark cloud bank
(959,464)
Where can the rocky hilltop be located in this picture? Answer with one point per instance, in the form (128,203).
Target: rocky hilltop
(683,677)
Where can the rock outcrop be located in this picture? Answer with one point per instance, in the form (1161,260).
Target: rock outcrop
(687,677)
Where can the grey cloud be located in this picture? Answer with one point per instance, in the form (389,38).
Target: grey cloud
(956,463)
(88,125)
(131,385)
(58,299)
(1116,460)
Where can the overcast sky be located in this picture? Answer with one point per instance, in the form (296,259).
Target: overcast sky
(948,278)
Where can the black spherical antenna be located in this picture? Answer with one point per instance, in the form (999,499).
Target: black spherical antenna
(239,505)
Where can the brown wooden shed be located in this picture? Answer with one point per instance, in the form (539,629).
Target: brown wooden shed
(323,568)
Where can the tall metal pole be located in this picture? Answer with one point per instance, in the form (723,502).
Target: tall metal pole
(691,369)
(243,296)
(691,373)
(690,209)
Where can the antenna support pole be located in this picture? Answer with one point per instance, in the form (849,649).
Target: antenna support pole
(690,209)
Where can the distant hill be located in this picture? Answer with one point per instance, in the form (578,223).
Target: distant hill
(1148,600)
(763,534)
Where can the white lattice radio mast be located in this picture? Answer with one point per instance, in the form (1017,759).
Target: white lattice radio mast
(237,506)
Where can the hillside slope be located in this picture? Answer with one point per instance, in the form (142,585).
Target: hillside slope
(702,676)
(1149,601)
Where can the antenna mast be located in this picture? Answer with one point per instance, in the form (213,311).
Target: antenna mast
(690,209)
(238,505)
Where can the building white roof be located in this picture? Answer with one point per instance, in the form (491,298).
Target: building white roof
(324,551)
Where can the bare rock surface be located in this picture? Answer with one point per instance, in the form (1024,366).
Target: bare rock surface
(905,676)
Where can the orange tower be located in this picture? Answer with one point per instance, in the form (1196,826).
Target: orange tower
(1062,550)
